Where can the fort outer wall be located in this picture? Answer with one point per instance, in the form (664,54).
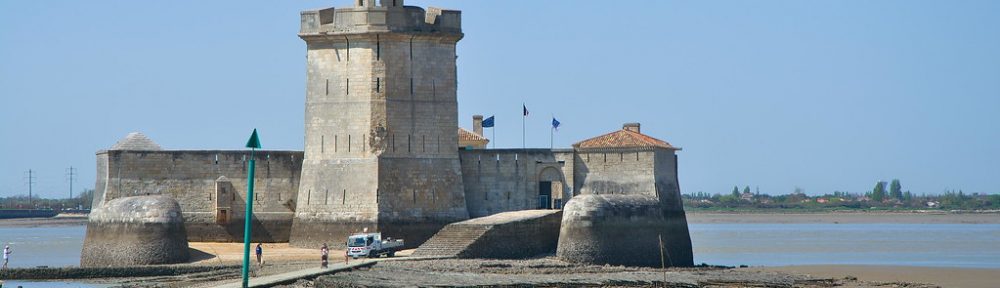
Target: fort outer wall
(503,180)
(192,178)
(623,174)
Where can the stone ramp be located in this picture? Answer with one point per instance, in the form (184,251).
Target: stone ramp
(507,235)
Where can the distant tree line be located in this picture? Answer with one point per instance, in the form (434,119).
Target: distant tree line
(82,200)
(884,195)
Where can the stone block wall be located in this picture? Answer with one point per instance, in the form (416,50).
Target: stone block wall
(190,178)
(135,230)
(501,180)
(380,125)
(623,230)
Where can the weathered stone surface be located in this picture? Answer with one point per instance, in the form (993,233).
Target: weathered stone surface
(191,177)
(623,230)
(139,230)
(509,235)
(380,123)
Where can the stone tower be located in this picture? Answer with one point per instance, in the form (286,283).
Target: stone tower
(380,121)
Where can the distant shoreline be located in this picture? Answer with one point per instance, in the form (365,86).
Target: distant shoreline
(58,220)
(843,217)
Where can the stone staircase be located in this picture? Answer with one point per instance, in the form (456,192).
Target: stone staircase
(451,240)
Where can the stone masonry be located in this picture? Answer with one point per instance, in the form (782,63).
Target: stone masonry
(383,151)
(381,122)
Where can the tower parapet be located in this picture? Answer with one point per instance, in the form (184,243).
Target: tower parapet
(385,16)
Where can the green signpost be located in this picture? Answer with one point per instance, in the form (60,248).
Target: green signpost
(253,144)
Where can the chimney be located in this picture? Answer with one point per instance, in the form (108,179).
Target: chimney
(634,127)
(477,124)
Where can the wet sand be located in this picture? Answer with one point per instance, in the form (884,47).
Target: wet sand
(779,217)
(944,277)
(211,253)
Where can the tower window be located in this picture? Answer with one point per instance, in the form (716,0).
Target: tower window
(378,84)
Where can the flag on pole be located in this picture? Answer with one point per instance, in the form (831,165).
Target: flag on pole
(555,124)
(525,110)
(488,122)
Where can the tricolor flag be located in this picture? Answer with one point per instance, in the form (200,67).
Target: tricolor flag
(555,124)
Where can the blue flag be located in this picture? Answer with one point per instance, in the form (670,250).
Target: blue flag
(488,122)
(555,123)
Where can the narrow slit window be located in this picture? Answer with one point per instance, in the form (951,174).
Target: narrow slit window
(378,48)
(343,199)
(347,87)
(348,142)
(322,143)
(378,84)
(327,87)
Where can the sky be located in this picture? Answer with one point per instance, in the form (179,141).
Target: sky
(822,95)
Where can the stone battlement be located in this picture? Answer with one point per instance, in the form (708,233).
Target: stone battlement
(367,16)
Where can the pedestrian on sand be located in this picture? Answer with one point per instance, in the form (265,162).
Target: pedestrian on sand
(6,256)
(260,252)
(324,254)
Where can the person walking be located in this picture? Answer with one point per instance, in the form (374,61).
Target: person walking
(324,253)
(6,256)
(260,252)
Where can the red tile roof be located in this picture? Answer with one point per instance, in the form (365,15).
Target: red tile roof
(469,136)
(623,139)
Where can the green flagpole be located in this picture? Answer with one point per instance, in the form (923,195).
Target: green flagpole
(253,144)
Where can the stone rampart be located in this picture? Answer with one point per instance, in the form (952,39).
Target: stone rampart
(210,187)
(623,230)
(508,235)
(137,230)
(502,180)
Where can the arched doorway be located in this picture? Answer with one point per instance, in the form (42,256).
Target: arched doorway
(550,189)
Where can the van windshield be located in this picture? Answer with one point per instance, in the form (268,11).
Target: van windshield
(356,242)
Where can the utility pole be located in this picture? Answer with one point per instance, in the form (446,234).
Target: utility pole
(31,182)
(71,173)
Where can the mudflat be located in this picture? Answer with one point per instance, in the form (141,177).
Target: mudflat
(777,216)
(941,276)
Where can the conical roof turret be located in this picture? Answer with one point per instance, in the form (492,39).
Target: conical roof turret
(136,141)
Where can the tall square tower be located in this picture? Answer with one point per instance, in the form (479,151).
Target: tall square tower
(380,123)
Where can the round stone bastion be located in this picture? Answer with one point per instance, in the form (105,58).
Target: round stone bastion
(623,230)
(139,230)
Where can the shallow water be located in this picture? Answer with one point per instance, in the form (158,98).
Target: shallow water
(937,245)
(55,246)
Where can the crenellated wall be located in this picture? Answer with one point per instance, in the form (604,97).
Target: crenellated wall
(380,17)
(193,179)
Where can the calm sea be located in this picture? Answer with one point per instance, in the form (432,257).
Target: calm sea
(939,245)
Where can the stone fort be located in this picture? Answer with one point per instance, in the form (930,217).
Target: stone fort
(383,149)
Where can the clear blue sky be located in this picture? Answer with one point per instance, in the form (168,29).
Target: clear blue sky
(824,95)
